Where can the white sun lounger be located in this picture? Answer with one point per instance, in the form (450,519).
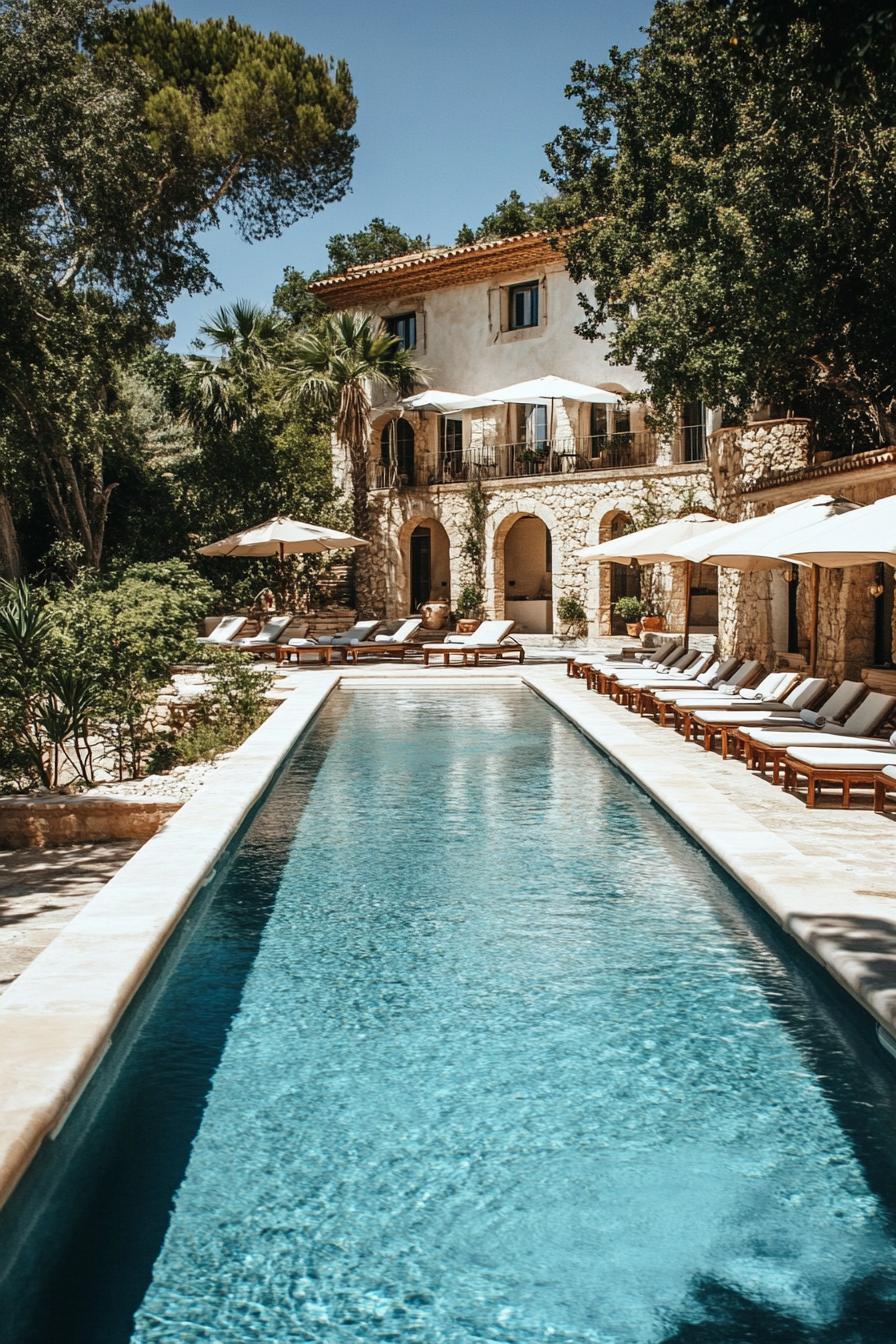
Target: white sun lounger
(227,628)
(845,768)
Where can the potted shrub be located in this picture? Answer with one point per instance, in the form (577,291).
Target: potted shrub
(469,609)
(630,609)
(573,615)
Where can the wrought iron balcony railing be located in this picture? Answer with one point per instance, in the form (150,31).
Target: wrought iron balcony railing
(510,461)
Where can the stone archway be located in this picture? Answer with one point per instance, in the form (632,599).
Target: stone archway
(608,581)
(425,550)
(523,562)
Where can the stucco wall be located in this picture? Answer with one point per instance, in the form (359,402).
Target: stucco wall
(460,342)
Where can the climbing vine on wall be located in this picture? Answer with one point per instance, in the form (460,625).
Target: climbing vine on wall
(472,597)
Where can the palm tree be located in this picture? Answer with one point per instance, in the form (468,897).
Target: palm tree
(336,368)
(222,391)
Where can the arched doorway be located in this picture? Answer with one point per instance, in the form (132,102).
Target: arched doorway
(429,565)
(625,580)
(528,580)
(397,453)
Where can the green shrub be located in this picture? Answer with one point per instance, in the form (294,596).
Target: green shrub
(469,603)
(573,614)
(630,609)
(230,708)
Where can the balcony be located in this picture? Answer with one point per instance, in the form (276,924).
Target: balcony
(603,454)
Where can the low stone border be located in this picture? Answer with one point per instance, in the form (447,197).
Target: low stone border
(40,823)
(852,934)
(57,1018)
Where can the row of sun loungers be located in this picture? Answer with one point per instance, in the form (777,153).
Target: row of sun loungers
(797,727)
(492,640)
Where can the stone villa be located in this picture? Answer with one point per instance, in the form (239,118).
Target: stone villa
(562,474)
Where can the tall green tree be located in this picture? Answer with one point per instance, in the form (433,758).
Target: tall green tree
(123,133)
(226,389)
(736,221)
(511,216)
(377,241)
(334,369)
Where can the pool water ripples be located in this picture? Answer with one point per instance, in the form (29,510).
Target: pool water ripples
(510,1061)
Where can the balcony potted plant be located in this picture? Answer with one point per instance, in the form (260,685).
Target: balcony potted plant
(630,610)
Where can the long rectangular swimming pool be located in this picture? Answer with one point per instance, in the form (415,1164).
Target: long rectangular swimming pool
(468,1044)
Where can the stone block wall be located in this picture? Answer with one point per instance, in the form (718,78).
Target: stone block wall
(577,510)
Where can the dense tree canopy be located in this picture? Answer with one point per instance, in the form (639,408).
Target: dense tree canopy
(123,132)
(736,204)
(513,215)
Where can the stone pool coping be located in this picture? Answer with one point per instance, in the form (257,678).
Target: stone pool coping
(820,903)
(57,1018)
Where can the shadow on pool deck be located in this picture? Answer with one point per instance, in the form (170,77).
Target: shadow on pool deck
(42,889)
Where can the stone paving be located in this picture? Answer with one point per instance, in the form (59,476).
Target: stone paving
(42,889)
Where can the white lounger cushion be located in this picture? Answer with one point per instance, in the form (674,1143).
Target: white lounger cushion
(488,633)
(812,739)
(269,634)
(889,771)
(844,760)
(402,634)
(355,634)
(227,628)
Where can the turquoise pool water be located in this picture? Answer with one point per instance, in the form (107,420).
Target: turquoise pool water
(472,1045)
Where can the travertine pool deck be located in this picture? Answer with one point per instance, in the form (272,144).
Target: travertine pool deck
(826,876)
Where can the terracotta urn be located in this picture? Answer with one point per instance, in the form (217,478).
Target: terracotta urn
(434,614)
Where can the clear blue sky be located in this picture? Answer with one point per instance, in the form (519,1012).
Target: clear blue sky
(456,102)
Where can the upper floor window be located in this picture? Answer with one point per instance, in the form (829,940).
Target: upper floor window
(522,305)
(404,326)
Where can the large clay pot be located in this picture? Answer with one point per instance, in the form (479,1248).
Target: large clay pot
(652,622)
(434,614)
(467,624)
(633,629)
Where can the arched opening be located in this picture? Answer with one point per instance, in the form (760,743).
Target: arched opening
(528,565)
(428,564)
(397,453)
(625,580)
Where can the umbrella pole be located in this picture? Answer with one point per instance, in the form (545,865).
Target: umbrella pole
(687,602)
(813,626)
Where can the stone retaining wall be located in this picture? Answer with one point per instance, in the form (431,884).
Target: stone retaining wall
(45,823)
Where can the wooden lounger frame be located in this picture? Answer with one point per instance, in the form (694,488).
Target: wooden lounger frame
(844,778)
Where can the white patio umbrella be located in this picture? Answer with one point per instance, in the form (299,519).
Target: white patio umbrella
(766,542)
(541,392)
(444,402)
(282,536)
(857,536)
(651,545)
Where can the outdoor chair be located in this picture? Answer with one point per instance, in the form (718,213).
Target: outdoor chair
(604,678)
(767,691)
(629,692)
(386,646)
(267,639)
(846,768)
(359,633)
(490,639)
(663,658)
(227,628)
(727,724)
(769,746)
(658,701)
(723,694)
(705,726)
